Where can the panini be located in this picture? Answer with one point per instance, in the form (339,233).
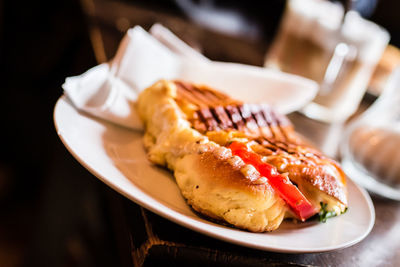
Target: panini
(242,164)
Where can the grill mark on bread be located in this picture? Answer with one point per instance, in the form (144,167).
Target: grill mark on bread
(207,101)
(187,91)
(186,94)
(287,148)
(198,122)
(272,123)
(279,123)
(214,98)
(267,132)
(273,145)
(235,116)
(247,116)
(202,97)
(309,166)
(216,118)
(217,111)
(253,118)
(223,118)
(208,119)
(215,114)
(257,116)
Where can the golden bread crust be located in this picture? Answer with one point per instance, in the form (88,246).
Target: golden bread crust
(215,188)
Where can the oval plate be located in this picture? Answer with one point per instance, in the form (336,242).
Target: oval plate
(117,157)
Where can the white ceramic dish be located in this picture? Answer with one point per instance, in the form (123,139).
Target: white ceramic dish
(116,156)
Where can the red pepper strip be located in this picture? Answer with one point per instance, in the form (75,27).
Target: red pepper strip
(287,191)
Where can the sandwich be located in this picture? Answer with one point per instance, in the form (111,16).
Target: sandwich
(237,163)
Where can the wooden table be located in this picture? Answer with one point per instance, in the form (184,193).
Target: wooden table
(147,239)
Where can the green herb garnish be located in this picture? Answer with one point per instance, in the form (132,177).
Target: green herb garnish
(324,214)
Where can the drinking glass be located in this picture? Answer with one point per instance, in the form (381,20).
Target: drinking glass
(371,145)
(317,41)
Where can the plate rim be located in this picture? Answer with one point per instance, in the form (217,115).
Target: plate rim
(190,223)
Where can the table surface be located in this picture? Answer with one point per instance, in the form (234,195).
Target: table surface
(147,239)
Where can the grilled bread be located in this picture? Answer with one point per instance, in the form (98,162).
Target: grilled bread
(189,129)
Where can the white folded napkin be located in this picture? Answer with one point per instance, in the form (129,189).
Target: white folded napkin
(109,90)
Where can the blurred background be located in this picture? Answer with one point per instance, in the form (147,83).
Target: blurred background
(52,211)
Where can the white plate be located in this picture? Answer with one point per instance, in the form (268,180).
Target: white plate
(117,157)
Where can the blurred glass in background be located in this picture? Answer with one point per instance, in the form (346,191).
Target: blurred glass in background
(317,40)
(370,149)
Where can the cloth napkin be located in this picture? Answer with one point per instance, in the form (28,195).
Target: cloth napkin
(109,90)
